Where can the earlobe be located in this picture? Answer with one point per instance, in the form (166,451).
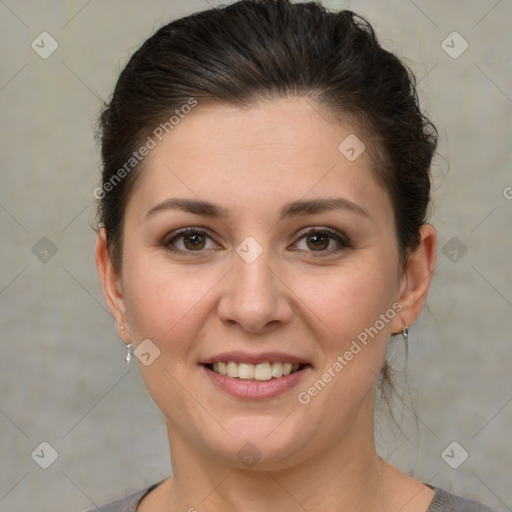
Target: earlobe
(110,280)
(417,277)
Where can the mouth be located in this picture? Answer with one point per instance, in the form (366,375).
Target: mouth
(263,371)
(256,377)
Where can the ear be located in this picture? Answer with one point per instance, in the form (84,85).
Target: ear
(112,285)
(416,279)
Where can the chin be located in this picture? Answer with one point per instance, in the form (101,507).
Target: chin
(265,442)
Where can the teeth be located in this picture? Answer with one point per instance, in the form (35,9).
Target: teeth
(260,371)
(245,371)
(223,370)
(232,369)
(277,369)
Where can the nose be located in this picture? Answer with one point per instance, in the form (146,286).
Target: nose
(254,296)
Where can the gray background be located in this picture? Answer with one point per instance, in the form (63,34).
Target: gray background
(62,374)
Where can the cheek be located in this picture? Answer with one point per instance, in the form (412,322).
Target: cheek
(351,315)
(350,298)
(164,301)
(166,305)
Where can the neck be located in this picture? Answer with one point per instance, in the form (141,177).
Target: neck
(317,485)
(347,476)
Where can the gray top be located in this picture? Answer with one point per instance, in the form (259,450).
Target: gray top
(443,502)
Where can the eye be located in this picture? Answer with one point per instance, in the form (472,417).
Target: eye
(188,240)
(322,240)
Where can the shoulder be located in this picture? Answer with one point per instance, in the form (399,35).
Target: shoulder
(445,501)
(127,504)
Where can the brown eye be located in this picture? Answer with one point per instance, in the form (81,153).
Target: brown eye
(318,241)
(194,241)
(325,240)
(189,240)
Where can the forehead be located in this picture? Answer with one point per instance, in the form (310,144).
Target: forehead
(288,148)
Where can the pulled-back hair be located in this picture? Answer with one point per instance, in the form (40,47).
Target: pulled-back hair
(257,50)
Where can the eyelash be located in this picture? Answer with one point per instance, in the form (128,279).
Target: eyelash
(333,234)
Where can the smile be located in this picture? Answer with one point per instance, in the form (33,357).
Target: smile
(261,371)
(262,378)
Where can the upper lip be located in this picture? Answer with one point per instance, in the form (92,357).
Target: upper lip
(261,357)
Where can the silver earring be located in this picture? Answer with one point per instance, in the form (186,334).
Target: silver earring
(405,334)
(128,357)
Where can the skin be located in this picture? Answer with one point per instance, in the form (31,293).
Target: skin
(294,298)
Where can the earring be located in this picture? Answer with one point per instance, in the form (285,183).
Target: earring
(128,357)
(405,335)
(129,347)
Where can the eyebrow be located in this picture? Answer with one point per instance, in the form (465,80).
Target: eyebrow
(292,209)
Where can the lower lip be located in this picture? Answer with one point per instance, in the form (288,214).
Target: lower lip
(256,389)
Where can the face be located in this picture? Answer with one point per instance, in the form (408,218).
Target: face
(289,262)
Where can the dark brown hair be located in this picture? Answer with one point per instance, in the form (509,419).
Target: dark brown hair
(257,50)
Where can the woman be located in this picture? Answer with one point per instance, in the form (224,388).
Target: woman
(263,232)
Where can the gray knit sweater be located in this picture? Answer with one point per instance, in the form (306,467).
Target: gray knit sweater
(443,502)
